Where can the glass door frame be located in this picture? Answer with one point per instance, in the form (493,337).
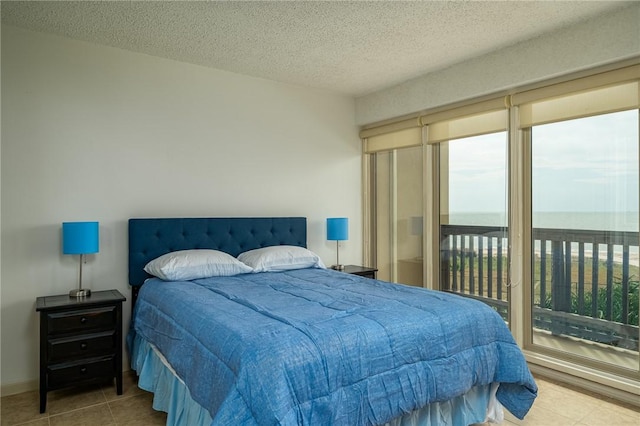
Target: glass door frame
(533,350)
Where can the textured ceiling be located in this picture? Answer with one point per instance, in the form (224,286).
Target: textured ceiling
(350,47)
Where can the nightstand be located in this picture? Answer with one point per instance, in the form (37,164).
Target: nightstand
(361,270)
(80,340)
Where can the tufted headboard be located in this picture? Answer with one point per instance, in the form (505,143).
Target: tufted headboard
(150,238)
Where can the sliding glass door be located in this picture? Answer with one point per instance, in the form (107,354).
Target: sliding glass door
(473,218)
(585,266)
(397,222)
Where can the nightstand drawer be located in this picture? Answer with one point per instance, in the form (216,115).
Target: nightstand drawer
(83,346)
(80,320)
(71,373)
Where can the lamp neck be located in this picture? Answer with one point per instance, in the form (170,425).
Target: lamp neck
(80,277)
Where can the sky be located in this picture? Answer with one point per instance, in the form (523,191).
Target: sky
(582,165)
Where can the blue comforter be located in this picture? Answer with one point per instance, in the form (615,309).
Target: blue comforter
(316,346)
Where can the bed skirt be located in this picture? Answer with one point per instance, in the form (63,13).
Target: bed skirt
(172,396)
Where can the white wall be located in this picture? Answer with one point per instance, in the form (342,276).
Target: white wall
(97,133)
(602,40)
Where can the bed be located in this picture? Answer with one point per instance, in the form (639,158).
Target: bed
(309,345)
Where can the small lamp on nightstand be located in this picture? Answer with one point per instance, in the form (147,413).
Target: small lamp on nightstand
(338,230)
(80,238)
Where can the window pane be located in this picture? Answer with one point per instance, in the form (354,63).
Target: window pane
(473,218)
(585,238)
(398,215)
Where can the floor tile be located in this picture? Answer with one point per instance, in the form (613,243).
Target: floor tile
(20,408)
(566,403)
(132,408)
(560,404)
(607,417)
(129,387)
(156,419)
(622,408)
(69,399)
(541,417)
(96,415)
(41,422)
(557,404)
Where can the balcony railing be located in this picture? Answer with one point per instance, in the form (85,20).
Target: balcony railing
(585,285)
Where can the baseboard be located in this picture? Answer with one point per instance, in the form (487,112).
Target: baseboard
(31,385)
(14,388)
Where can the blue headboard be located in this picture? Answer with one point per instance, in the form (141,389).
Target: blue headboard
(150,238)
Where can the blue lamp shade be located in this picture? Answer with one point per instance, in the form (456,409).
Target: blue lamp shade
(337,229)
(80,237)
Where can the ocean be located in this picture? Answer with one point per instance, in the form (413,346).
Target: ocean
(606,221)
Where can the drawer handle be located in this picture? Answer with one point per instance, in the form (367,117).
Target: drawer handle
(83,370)
(84,345)
(83,320)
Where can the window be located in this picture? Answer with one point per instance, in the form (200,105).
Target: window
(398,215)
(396,186)
(473,218)
(584,226)
(471,154)
(530,203)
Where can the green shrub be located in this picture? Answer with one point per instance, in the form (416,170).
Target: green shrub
(616,308)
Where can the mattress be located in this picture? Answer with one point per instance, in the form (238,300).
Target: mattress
(316,346)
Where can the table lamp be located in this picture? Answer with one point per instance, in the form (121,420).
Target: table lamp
(338,230)
(80,238)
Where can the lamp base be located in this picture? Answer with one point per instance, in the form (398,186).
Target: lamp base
(80,292)
(338,267)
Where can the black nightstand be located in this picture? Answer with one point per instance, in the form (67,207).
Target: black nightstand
(361,270)
(80,340)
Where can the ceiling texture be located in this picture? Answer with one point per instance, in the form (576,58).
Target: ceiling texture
(353,48)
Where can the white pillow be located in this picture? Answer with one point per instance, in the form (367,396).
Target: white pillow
(280,258)
(185,265)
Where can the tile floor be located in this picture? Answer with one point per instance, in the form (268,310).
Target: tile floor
(561,405)
(555,405)
(90,406)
